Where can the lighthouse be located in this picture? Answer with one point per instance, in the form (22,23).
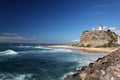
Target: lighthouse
(100,27)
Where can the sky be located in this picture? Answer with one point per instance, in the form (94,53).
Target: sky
(55,21)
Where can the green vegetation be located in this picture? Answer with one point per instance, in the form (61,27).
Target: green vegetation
(108,30)
(88,45)
(81,45)
(77,45)
(86,31)
(109,44)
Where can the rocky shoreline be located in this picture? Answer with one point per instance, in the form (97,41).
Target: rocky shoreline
(106,68)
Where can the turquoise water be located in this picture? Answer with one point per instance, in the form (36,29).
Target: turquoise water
(37,63)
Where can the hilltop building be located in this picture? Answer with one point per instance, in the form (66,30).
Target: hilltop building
(100,27)
(99,37)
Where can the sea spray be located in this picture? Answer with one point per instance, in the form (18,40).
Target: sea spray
(67,74)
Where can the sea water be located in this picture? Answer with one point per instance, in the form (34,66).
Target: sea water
(38,63)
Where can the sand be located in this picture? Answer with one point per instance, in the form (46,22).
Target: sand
(84,49)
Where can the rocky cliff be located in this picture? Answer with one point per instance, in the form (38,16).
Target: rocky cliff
(106,68)
(98,38)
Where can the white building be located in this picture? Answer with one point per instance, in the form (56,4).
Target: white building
(100,27)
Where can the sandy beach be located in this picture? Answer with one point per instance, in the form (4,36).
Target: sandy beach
(84,49)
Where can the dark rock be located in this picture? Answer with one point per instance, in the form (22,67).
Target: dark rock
(106,68)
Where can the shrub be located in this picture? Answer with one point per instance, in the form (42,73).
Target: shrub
(82,45)
(108,30)
(77,45)
(86,31)
(88,45)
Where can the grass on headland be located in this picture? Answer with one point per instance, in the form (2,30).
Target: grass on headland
(108,45)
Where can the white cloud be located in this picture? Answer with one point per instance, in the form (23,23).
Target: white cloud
(11,34)
(76,40)
(114,29)
(106,5)
(15,38)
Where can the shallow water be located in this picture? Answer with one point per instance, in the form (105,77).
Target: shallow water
(37,63)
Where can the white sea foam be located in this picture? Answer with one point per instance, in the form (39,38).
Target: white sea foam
(37,47)
(67,74)
(41,47)
(8,52)
(22,76)
(82,60)
(61,50)
(8,76)
(58,50)
(24,46)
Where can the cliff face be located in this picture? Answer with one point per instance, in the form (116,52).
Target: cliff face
(106,68)
(98,38)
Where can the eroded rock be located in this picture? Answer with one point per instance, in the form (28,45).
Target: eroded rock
(106,68)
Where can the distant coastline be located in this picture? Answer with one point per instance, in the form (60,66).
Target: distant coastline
(84,49)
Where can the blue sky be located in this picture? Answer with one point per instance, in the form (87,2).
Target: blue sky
(55,21)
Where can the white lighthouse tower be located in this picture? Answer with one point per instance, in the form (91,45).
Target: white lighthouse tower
(100,27)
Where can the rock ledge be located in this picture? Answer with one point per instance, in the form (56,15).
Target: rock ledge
(106,68)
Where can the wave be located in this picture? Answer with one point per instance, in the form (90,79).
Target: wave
(67,74)
(24,46)
(8,76)
(82,60)
(34,47)
(8,52)
(40,47)
(58,50)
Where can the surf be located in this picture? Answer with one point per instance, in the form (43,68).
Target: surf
(8,52)
(57,50)
(14,76)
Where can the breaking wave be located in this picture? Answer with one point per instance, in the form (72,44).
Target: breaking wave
(40,64)
(24,46)
(82,60)
(8,52)
(41,47)
(8,76)
(58,50)
(67,74)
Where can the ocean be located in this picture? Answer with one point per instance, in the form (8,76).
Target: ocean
(38,63)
